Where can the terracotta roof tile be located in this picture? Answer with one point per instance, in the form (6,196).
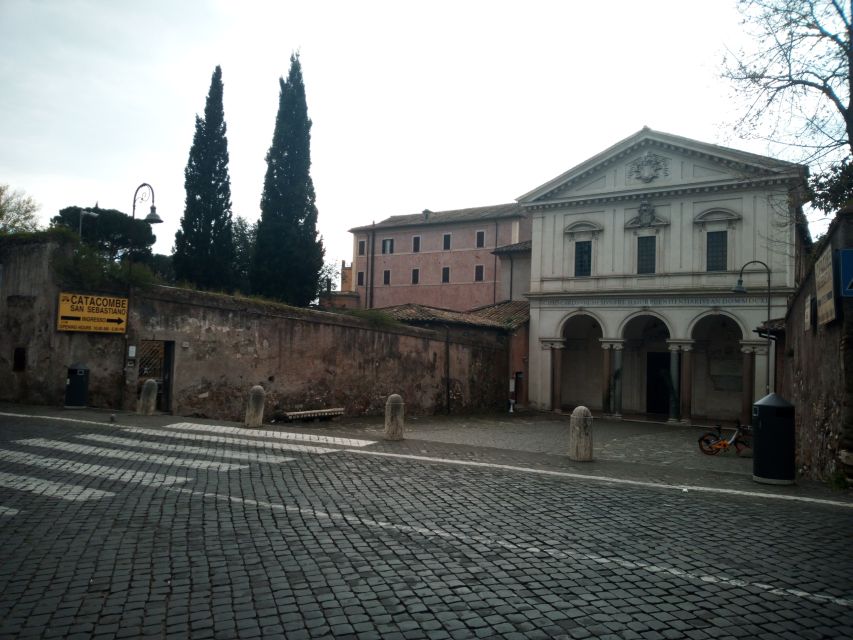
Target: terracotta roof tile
(510,313)
(421,314)
(472,214)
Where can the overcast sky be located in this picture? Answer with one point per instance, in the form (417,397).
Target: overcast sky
(416,105)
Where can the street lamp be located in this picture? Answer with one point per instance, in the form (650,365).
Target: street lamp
(84,212)
(151,218)
(739,288)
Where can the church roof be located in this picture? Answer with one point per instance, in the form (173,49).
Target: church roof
(427,217)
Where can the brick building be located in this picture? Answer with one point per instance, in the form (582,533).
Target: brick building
(443,259)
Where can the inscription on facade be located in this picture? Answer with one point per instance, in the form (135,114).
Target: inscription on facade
(652,302)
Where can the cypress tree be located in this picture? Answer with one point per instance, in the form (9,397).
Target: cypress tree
(204,247)
(288,252)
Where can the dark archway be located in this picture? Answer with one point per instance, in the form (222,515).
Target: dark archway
(582,363)
(718,368)
(647,384)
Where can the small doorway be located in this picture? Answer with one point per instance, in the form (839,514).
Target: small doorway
(155,362)
(657,382)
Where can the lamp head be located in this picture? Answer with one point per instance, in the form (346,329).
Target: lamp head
(739,288)
(153,218)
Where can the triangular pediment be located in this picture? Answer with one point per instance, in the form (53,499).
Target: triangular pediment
(652,161)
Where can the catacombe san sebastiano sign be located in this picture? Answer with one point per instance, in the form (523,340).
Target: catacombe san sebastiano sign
(824,287)
(97,314)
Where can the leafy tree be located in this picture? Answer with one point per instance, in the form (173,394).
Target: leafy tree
(288,252)
(204,248)
(833,188)
(17,211)
(113,234)
(796,75)
(244,247)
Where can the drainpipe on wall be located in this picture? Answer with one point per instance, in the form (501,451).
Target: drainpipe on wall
(447,368)
(511,274)
(495,269)
(372,264)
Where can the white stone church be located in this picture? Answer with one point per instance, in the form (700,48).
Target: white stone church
(634,256)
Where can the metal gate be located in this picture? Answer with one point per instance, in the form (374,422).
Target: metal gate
(155,363)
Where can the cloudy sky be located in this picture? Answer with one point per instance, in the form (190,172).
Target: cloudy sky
(434,104)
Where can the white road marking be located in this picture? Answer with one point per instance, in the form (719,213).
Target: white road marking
(562,554)
(104,452)
(58,418)
(262,433)
(607,479)
(8,512)
(86,469)
(200,437)
(71,492)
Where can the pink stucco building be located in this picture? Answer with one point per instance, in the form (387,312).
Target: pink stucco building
(442,259)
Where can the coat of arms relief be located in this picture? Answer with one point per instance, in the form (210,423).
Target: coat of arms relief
(648,167)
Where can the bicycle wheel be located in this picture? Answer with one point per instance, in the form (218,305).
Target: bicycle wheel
(708,444)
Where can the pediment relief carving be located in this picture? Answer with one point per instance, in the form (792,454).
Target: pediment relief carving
(647,168)
(646,218)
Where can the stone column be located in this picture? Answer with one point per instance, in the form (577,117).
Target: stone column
(617,380)
(675,381)
(580,435)
(395,417)
(606,379)
(556,377)
(748,384)
(686,382)
(255,407)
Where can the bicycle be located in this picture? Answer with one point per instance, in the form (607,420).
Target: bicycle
(713,442)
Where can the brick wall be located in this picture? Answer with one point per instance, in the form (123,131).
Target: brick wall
(818,371)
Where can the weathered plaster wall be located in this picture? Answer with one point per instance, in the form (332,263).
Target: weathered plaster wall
(309,359)
(223,346)
(819,370)
(28,303)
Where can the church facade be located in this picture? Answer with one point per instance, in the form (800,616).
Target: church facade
(635,253)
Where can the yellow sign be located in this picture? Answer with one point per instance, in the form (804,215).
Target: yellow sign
(98,314)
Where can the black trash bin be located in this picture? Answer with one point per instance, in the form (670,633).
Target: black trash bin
(773,440)
(77,387)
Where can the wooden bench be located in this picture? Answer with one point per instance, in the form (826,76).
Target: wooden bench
(315,414)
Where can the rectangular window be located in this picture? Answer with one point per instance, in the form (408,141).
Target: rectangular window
(416,244)
(386,277)
(445,274)
(478,273)
(583,258)
(19,359)
(646,254)
(362,244)
(360,279)
(388,245)
(481,239)
(447,242)
(416,276)
(717,251)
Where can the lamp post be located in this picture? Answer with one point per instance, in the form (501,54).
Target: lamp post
(151,218)
(739,288)
(84,212)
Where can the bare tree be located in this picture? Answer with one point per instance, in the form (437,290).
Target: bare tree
(795,76)
(17,211)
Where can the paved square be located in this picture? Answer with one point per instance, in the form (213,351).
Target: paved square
(212,532)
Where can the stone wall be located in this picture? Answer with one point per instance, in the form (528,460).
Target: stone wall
(818,365)
(224,345)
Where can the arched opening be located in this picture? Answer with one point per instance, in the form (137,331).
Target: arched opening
(581,379)
(647,384)
(718,368)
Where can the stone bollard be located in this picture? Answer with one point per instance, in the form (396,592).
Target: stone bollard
(255,408)
(148,399)
(395,417)
(580,435)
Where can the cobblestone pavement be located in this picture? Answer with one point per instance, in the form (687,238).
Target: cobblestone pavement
(167,529)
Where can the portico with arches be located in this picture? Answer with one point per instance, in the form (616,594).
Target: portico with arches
(635,253)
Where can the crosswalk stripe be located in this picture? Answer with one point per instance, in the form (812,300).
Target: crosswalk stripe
(262,433)
(104,452)
(248,442)
(87,469)
(249,456)
(71,492)
(8,512)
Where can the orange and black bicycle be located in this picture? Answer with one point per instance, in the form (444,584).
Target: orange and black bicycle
(714,442)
